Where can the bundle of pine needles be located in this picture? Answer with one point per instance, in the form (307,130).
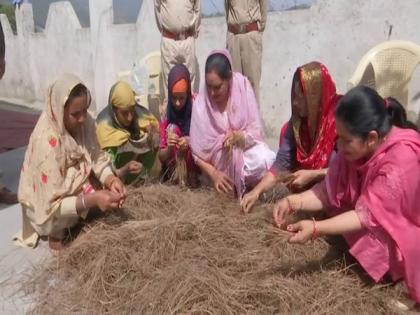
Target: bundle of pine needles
(174,251)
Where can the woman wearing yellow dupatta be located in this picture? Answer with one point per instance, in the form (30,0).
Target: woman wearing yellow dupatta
(63,153)
(126,131)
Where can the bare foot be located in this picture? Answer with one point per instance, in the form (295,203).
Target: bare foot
(8,197)
(405,304)
(55,244)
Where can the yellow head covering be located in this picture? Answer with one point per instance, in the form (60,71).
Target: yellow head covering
(122,95)
(109,132)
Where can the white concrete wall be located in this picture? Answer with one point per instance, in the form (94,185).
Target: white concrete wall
(335,32)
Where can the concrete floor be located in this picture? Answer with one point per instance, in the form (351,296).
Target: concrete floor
(15,263)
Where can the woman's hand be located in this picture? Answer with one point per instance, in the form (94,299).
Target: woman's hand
(239,139)
(227,141)
(183,143)
(172,139)
(234,138)
(304,231)
(107,200)
(281,210)
(133,167)
(222,183)
(114,184)
(248,200)
(117,187)
(301,179)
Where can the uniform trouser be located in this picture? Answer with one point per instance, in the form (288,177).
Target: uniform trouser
(246,52)
(179,51)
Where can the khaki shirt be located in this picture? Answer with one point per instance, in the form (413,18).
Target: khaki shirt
(178,16)
(246,11)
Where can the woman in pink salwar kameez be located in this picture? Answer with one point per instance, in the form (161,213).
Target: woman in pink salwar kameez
(371,192)
(226,135)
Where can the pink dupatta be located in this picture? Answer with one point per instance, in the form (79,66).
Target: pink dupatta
(385,192)
(208,127)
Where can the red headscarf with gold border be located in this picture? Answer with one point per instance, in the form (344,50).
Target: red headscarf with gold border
(315,135)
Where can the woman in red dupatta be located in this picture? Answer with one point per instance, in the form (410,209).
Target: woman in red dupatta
(308,139)
(313,116)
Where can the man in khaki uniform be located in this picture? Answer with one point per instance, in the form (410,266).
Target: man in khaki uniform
(179,23)
(246,22)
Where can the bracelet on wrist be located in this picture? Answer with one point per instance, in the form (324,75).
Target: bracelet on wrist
(83,202)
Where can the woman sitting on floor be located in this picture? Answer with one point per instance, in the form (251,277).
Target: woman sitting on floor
(371,191)
(226,134)
(62,161)
(127,132)
(307,143)
(175,153)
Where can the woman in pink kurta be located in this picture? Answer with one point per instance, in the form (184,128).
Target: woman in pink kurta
(226,135)
(371,192)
